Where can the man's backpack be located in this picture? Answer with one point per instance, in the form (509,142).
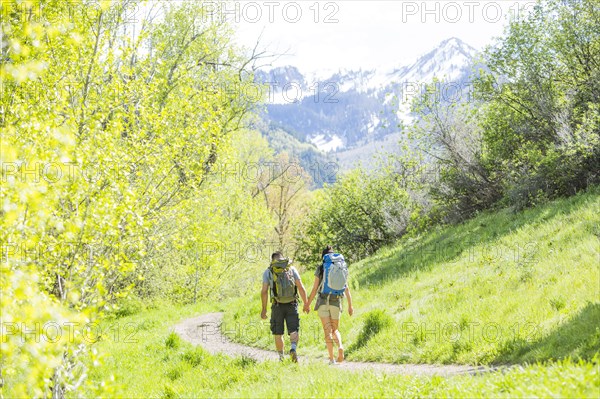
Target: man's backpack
(335,274)
(283,284)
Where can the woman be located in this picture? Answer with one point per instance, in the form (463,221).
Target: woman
(329,308)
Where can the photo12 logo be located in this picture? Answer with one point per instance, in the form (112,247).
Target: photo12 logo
(271,11)
(56,331)
(294,92)
(463,11)
(288,172)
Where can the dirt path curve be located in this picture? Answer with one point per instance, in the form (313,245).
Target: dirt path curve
(205,330)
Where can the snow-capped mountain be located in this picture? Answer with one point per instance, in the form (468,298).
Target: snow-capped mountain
(354,107)
(449,60)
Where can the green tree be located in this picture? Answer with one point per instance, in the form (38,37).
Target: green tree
(529,130)
(358,214)
(110,142)
(541,128)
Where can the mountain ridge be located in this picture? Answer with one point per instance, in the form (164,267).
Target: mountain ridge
(352,108)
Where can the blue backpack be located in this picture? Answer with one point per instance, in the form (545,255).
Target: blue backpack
(335,274)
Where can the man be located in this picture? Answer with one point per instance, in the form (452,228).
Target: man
(284,284)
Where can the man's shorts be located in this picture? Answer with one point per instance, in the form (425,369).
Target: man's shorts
(284,312)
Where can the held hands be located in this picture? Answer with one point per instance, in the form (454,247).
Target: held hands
(263,314)
(306,308)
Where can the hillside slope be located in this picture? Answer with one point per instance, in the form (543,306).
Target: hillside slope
(500,288)
(530,280)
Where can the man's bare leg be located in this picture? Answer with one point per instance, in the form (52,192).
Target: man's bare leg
(294,341)
(279,345)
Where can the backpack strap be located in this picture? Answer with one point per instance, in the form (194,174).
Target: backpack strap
(294,280)
(322,283)
(272,283)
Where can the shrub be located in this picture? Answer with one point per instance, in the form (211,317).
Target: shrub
(173,341)
(129,306)
(375,321)
(194,356)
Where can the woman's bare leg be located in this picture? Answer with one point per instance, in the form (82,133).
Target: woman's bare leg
(337,337)
(327,323)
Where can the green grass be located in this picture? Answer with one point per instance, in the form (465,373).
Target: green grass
(375,321)
(500,288)
(150,365)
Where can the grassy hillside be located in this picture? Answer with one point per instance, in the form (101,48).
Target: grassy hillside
(155,363)
(501,288)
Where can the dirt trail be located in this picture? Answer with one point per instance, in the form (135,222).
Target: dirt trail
(205,330)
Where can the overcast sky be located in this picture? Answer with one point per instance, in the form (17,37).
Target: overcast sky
(324,36)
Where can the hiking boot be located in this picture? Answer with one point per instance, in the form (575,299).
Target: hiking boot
(294,356)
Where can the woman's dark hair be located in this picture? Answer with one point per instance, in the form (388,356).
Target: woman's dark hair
(327,250)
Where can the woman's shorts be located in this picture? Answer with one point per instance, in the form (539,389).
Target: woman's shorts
(330,311)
